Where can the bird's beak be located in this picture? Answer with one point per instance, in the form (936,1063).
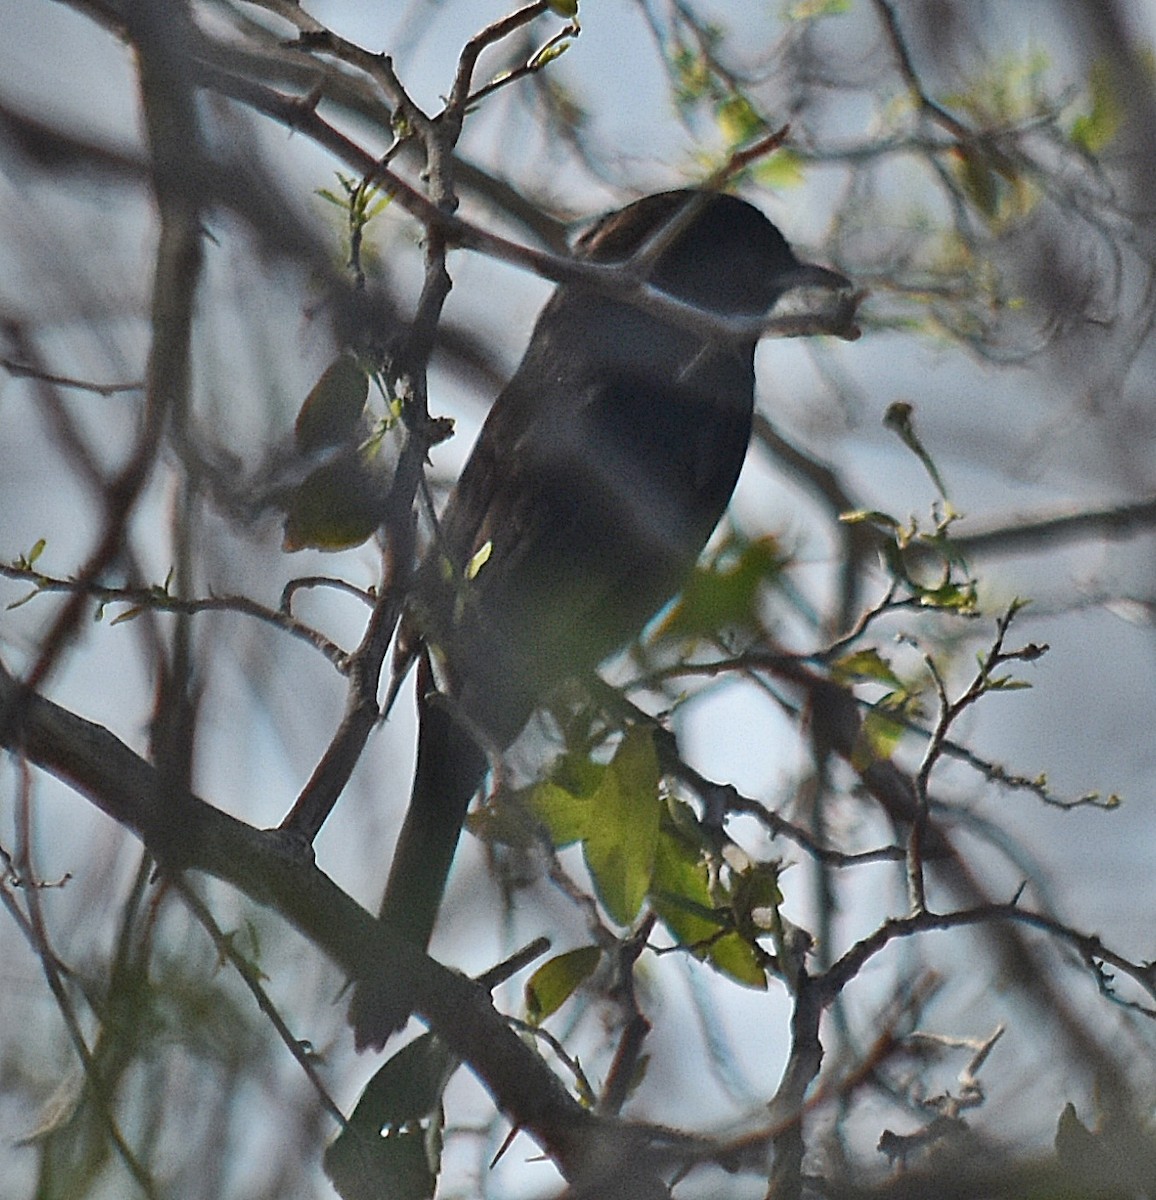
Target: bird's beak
(808,275)
(799,309)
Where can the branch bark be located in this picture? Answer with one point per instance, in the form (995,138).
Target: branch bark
(185,833)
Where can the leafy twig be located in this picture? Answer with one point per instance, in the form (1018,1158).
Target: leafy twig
(158,599)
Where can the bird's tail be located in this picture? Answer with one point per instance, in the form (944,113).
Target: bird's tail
(450,766)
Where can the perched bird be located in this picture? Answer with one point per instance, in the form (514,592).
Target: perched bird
(600,473)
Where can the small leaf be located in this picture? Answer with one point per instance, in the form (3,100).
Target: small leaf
(733,955)
(565,814)
(25,562)
(556,980)
(900,418)
(377,208)
(680,895)
(809,10)
(870,516)
(337,506)
(738,121)
(725,594)
(879,735)
(864,664)
(480,559)
(129,614)
(22,600)
(691,73)
(622,833)
(680,889)
(1005,683)
(1094,130)
(755,891)
(331,414)
(782,169)
(959,597)
(547,55)
(613,810)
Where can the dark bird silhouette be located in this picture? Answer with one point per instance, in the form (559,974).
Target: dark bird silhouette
(599,475)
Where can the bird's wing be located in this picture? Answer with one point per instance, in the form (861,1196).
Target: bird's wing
(590,521)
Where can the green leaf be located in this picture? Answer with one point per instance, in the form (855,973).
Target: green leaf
(404,1098)
(864,664)
(479,560)
(331,414)
(680,889)
(563,8)
(365,1167)
(408,1087)
(378,207)
(733,955)
(879,735)
(613,809)
(547,55)
(755,891)
(337,506)
(738,121)
(680,895)
(25,562)
(556,980)
(900,418)
(129,614)
(623,823)
(725,593)
(22,600)
(691,74)
(782,169)
(809,10)
(1094,130)
(566,814)
(959,597)
(1005,683)
(870,516)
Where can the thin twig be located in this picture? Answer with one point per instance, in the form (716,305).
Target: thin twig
(35,931)
(251,978)
(26,371)
(157,599)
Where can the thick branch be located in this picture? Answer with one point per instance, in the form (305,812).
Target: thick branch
(183,831)
(1041,533)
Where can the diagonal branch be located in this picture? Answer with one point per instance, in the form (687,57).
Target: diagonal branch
(184,832)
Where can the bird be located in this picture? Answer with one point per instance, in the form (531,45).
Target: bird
(598,477)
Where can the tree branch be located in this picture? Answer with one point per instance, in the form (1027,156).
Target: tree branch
(186,833)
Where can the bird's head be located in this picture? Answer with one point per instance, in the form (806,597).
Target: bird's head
(709,249)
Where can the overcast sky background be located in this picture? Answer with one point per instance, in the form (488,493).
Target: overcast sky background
(1004,444)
